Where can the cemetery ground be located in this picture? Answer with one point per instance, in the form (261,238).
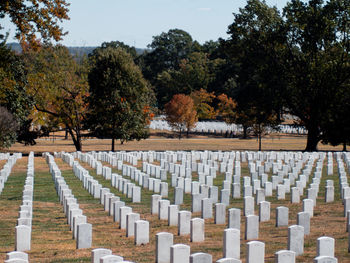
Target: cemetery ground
(163,140)
(52,240)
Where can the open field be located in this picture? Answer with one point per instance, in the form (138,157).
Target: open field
(52,240)
(160,143)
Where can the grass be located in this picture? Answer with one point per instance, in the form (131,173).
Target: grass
(52,240)
(274,142)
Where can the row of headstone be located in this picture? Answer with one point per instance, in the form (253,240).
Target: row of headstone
(81,230)
(6,169)
(123,185)
(122,214)
(307,203)
(222,127)
(23,230)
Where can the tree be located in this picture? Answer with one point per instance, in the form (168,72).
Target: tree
(59,86)
(8,128)
(256,84)
(167,50)
(115,44)
(13,92)
(194,73)
(317,64)
(203,104)
(180,113)
(120,98)
(35,16)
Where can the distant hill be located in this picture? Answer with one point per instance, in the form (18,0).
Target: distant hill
(75,51)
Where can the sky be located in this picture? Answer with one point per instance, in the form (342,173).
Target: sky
(135,22)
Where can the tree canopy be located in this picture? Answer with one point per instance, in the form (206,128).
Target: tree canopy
(120,98)
(181,114)
(59,86)
(34,17)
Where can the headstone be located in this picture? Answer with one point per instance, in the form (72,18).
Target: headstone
(296,239)
(252,227)
(178,196)
(163,209)
(281,192)
(136,194)
(155,204)
(234,218)
(184,225)
(196,203)
(123,211)
(173,211)
(285,256)
(231,246)
(225,197)
(131,218)
(197,230)
(325,259)
(98,253)
(201,258)
(329,195)
(220,214)
(207,208)
(255,252)
(248,205)
(23,238)
(116,206)
(303,219)
(308,206)
(236,190)
(295,195)
(325,246)
(84,236)
(141,232)
(164,241)
(180,253)
(264,211)
(282,215)
(17,255)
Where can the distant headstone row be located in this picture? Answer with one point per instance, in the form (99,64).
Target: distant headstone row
(216,127)
(6,170)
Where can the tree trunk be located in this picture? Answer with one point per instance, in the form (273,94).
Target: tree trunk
(66,134)
(259,138)
(180,134)
(312,139)
(76,140)
(344,146)
(113,143)
(188,133)
(245,132)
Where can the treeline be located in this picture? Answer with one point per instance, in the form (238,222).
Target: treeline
(273,63)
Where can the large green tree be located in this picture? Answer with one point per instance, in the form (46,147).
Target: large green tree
(120,98)
(167,51)
(257,79)
(317,63)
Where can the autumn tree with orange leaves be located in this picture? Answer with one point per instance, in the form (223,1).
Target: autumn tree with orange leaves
(35,17)
(203,104)
(181,113)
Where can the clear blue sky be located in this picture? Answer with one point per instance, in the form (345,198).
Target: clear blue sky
(135,21)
